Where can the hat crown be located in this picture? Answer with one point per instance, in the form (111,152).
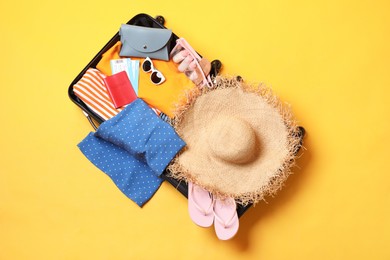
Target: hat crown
(231,139)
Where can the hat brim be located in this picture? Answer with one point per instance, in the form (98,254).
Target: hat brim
(275,129)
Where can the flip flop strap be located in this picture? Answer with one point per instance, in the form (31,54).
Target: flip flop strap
(208,210)
(228,223)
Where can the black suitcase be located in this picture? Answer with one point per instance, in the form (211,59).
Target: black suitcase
(146,21)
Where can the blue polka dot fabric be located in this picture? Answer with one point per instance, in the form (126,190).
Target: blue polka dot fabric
(133,149)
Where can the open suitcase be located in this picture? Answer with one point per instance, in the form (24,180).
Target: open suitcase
(146,21)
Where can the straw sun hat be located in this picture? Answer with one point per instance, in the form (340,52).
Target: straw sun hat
(241,140)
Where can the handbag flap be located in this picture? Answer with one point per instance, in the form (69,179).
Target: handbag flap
(144,39)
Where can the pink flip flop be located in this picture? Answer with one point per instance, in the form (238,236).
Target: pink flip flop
(200,205)
(226,219)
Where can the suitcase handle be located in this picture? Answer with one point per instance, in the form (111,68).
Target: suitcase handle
(90,120)
(160,19)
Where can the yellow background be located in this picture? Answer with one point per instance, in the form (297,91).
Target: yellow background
(329,59)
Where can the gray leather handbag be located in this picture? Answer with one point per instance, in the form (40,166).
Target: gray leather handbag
(139,41)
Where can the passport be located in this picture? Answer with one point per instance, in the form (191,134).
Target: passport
(120,89)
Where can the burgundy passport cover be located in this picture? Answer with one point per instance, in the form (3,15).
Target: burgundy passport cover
(120,89)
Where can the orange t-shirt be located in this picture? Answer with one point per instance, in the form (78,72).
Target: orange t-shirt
(110,54)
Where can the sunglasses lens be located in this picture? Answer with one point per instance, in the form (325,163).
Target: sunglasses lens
(156,77)
(146,66)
